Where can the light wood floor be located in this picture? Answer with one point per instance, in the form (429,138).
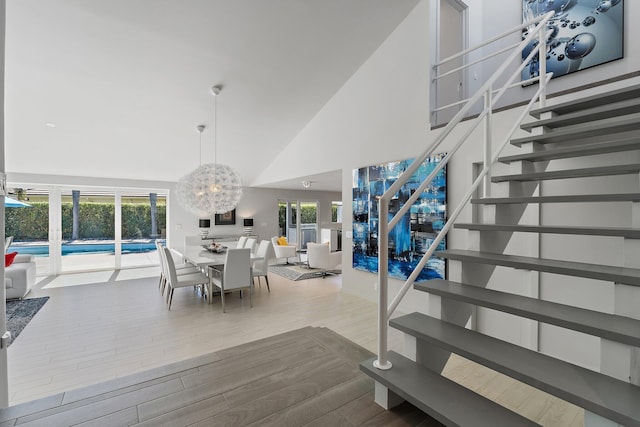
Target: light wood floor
(109,329)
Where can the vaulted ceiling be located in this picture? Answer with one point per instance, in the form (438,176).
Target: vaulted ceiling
(116,88)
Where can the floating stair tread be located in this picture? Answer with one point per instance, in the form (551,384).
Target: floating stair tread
(599,112)
(615,328)
(570,173)
(595,128)
(598,393)
(446,401)
(631,233)
(578,198)
(590,101)
(628,144)
(626,275)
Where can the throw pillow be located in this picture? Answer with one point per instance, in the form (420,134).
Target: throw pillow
(282,241)
(8,259)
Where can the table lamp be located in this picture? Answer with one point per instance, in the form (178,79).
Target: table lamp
(204,225)
(248,226)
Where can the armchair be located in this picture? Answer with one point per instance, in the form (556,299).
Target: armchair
(320,257)
(284,251)
(20,276)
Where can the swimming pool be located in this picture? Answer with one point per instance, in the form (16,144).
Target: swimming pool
(86,248)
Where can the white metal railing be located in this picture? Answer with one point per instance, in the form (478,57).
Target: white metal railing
(490,97)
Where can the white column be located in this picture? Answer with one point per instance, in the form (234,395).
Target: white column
(4,374)
(55,230)
(385,397)
(117,228)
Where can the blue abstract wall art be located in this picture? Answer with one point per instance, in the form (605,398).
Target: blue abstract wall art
(584,33)
(413,235)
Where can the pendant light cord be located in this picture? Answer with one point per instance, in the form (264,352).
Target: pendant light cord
(215,130)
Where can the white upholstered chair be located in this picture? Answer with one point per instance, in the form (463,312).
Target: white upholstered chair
(193,240)
(20,276)
(261,267)
(175,280)
(320,257)
(236,274)
(242,240)
(252,243)
(180,266)
(282,251)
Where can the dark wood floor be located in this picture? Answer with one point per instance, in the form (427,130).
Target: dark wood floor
(307,377)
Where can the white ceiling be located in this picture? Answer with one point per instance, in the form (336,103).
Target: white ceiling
(125,82)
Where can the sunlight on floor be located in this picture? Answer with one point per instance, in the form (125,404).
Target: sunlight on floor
(137,273)
(79,279)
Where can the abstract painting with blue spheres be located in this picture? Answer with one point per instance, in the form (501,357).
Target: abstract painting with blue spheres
(582,34)
(415,232)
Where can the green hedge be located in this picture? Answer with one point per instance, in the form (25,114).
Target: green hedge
(96,221)
(28,223)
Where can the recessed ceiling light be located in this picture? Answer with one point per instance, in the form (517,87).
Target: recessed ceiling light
(50,125)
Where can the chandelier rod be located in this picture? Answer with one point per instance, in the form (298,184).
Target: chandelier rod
(215,131)
(215,90)
(200,129)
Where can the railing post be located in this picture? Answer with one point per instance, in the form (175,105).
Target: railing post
(383,274)
(542,63)
(488,136)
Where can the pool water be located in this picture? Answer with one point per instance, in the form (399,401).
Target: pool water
(85,248)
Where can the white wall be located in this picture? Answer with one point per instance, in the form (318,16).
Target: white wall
(4,381)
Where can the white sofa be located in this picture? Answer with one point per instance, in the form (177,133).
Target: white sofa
(20,276)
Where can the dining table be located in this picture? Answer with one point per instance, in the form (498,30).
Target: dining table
(209,262)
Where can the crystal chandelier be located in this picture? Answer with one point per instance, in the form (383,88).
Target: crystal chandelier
(212,188)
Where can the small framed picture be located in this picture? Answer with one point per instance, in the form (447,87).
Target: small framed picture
(227,218)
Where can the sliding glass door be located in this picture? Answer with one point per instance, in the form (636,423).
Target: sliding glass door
(298,221)
(88,230)
(73,229)
(143,221)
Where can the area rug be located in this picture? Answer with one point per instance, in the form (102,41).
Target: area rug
(297,272)
(20,312)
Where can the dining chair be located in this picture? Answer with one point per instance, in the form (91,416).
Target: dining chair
(181,268)
(242,241)
(180,280)
(261,267)
(236,274)
(193,240)
(252,243)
